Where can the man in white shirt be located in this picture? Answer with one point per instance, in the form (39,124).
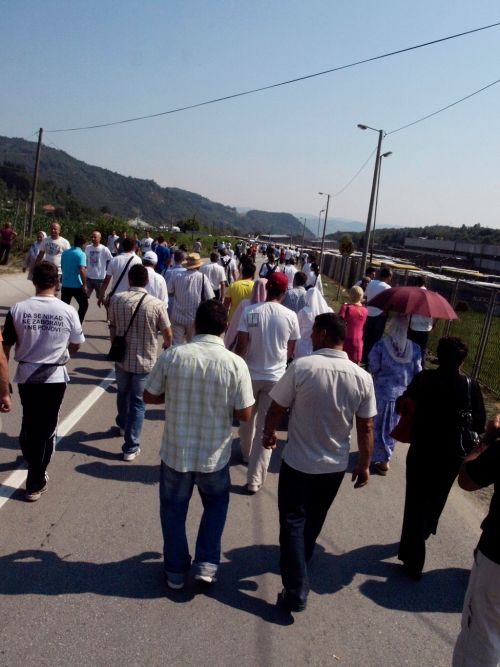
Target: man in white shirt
(111,243)
(146,243)
(53,246)
(170,274)
(375,322)
(45,332)
(420,325)
(290,270)
(266,340)
(216,275)
(325,392)
(98,258)
(118,270)
(189,290)
(203,386)
(156,283)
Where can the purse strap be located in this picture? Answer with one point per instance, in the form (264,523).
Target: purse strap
(120,278)
(135,313)
(469,394)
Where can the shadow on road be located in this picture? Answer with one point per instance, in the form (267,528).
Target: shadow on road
(142,474)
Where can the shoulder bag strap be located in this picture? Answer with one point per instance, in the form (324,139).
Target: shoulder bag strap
(120,278)
(135,313)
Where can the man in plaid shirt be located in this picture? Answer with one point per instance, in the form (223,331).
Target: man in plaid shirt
(204,386)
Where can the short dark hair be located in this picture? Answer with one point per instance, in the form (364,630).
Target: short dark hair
(79,240)
(138,276)
(214,256)
(370,270)
(333,325)
(299,279)
(128,244)
(211,318)
(179,256)
(385,272)
(248,269)
(419,281)
(451,352)
(45,275)
(161,239)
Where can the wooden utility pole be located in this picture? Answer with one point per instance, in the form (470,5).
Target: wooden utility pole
(35,182)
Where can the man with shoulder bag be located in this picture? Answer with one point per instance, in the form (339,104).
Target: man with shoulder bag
(135,317)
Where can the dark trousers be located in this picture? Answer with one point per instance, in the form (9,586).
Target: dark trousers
(428,484)
(67,293)
(4,253)
(373,332)
(41,404)
(303,502)
(420,338)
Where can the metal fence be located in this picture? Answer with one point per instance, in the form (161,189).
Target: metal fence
(478,308)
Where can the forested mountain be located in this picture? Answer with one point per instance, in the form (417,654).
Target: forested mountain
(102,189)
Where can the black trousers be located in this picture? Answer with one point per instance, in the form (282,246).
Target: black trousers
(420,338)
(373,332)
(41,404)
(67,293)
(303,502)
(4,253)
(428,484)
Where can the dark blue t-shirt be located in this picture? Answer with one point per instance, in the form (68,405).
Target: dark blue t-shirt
(163,254)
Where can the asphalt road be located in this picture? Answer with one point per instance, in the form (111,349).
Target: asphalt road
(81,574)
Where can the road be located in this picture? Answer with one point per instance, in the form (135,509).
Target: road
(81,574)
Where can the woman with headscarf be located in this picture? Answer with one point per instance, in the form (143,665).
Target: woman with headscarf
(393,361)
(258,295)
(354,314)
(32,254)
(315,305)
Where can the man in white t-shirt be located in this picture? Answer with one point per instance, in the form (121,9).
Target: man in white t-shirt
(266,340)
(290,270)
(45,331)
(53,246)
(146,243)
(420,325)
(325,392)
(111,243)
(216,275)
(118,270)
(98,258)
(375,322)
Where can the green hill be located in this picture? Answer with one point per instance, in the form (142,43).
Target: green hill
(129,197)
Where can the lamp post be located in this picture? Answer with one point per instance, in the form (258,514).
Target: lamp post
(324,194)
(381,134)
(376,203)
(303,234)
(319,221)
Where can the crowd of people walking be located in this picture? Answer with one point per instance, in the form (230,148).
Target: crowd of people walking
(255,349)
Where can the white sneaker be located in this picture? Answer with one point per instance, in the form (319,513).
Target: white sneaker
(205,578)
(130,456)
(253,488)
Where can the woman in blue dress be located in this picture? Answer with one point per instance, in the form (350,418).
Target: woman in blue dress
(393,361)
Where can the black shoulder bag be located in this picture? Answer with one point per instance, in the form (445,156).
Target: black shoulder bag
(119,343)
(119,280)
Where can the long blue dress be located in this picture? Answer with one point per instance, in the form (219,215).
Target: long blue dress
(391,376)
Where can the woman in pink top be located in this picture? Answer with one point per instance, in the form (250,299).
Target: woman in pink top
(354,314)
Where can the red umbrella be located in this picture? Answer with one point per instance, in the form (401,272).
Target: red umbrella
(414,301)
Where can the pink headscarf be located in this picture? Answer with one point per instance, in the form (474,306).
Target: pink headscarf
(259,294)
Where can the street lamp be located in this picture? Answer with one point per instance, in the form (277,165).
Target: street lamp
(319,221)
(323,194)
(303,233)
(381,134)
(376,203)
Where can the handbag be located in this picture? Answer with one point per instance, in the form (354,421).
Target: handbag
(119,343)
(467,436)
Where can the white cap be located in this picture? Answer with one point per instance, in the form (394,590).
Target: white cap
(150,256)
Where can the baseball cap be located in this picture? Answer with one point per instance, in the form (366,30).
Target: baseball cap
(278,280)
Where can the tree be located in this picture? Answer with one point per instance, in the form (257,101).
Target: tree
(346,246)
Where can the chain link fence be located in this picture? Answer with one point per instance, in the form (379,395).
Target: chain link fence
(477,306)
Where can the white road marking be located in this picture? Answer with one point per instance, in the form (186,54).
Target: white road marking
(18,476)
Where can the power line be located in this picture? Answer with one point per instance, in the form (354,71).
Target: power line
(276,85)
(448,106)
(356,174)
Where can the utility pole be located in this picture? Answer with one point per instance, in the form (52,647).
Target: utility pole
(362,265)
(35,182)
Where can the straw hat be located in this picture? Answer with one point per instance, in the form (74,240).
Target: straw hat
(193,261)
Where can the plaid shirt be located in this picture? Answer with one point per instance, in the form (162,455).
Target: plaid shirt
(142,337)
(189,289)
(203,383)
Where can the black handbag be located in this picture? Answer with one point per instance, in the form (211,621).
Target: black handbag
(467,436)
(119,343)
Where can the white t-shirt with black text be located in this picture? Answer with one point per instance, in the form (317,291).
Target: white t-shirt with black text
(53,249)
(98,258)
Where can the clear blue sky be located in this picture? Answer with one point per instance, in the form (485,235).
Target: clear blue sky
(66,64)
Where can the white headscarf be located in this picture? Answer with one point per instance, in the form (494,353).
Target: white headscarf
(315,305)
(396,340)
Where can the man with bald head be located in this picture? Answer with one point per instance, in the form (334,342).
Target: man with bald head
(53,247)
(98,258)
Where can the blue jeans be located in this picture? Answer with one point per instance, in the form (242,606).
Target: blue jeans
(130,406)
(176,489)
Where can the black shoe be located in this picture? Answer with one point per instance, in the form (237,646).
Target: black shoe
(285,604)
(412,571)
